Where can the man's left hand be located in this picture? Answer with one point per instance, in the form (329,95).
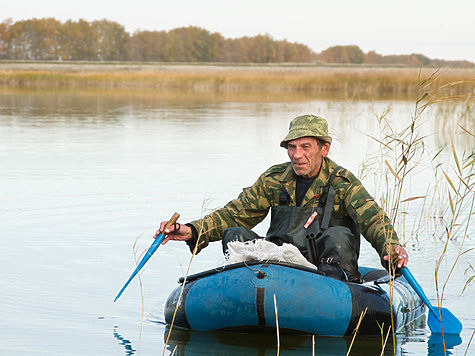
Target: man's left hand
(400,256)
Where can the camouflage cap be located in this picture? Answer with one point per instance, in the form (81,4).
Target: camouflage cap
(307,125)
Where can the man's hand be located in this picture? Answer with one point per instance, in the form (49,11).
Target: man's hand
(399,256)
(175,232)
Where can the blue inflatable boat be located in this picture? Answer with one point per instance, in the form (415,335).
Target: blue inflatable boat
(240,297)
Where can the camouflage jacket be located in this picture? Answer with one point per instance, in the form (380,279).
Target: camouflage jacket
(253,204)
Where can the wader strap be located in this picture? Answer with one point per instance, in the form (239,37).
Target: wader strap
(284,198)
(326,188)
(327,213)
(328,198)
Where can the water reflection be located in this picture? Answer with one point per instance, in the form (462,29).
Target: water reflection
(109,107)
(150,95)
(435,344)
(127,344)
(417,334)
(189,342)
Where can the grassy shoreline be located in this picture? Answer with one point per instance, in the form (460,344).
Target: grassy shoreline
(335,81)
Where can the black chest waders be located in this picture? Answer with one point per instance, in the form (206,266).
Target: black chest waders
(328,240)
(338,242)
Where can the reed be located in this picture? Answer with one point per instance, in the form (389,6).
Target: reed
(137,261)
(277,325)
(401,153)
(470,271)
(178,303)
(193,254)
(385,341)
(460,194)
(362,315)
(342,82)
(313,345)
(469,342)
(455,182)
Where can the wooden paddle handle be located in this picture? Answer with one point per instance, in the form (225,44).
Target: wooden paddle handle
(171,222)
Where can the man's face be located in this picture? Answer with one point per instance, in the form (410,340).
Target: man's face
(305,155)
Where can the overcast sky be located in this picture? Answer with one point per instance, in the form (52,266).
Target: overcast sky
(435,28)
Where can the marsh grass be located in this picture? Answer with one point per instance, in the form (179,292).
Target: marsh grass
(137,261)
(454,120)
(385,341)
(398,155)
(459,194)
(469,343)
(204,205)
(470,273)
(401,152)
(341,82)
(277,325)
(179,298)
(360,319)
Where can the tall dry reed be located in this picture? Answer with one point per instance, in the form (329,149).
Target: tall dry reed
(342,82)
(400,154)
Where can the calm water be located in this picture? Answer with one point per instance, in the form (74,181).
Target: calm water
(85,175)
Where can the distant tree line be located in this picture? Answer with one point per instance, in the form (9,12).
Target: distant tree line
(49,39)
(103,40)
(354,55)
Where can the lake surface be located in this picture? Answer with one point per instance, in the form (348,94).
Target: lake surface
(84,175)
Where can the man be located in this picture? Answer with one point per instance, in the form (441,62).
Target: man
(312,201)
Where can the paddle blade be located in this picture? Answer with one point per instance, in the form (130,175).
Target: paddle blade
(450,323)
(126,284)
(142,263)
(153,247)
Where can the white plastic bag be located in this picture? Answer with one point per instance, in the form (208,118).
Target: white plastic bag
(263,250)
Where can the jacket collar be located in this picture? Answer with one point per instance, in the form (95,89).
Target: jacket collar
(288,179)
(322,177)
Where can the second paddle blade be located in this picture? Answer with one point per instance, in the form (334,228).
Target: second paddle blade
(450,324)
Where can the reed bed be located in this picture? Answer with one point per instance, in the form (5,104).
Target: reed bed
(354,82)
(400,154)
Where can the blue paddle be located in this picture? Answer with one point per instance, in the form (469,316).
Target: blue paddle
(153,247)
(450,323)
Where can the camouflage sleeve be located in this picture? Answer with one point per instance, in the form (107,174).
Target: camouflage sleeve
(247,210)
(372,221)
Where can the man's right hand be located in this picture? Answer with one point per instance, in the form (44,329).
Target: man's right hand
(177,232)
